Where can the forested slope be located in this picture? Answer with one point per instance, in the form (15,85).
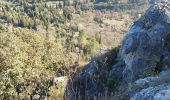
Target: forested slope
(36,45)
(42,44)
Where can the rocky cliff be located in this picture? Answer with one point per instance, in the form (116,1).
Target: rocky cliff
(139,71)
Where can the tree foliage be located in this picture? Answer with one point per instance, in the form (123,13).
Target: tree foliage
(30,57)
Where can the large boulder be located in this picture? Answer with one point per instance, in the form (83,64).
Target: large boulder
(143,45)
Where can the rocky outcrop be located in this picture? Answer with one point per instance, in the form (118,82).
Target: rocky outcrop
(145,48)
(156,52)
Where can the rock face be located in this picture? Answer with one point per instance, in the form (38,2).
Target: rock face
(156,50)
(143,46)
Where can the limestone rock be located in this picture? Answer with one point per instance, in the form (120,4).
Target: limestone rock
(143,45)
(162,78)
(161,92)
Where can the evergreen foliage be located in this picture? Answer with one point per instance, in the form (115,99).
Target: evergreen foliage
(36,45)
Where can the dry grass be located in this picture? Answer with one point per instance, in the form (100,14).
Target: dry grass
(113,27)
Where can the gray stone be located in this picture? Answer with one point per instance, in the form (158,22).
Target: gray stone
(162,78)
(143,45)
(117,70)
(161,92)
(87,84)
(166,59)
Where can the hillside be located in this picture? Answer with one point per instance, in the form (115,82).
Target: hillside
(44,44)
(138,70)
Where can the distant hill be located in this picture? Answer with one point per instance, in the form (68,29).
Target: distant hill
(122,1)
(122,5)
